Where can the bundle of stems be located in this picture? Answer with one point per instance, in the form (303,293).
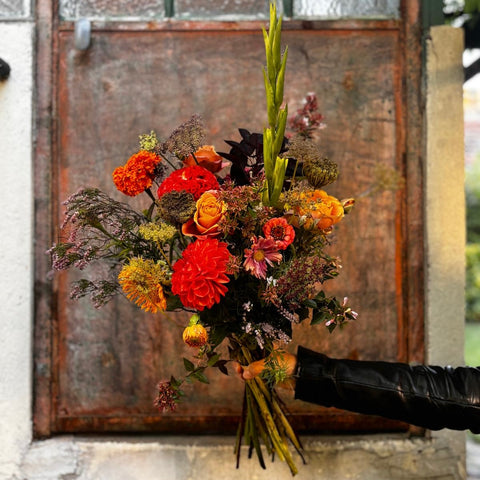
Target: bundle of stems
(264,421)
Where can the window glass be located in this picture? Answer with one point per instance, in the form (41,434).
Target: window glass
(224,9)
(108,10)
(346,8)
(13,9)
(215,9)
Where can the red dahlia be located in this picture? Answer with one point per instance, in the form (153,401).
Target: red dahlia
(199,277)
(195,180)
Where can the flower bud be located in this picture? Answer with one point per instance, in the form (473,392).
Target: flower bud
(320,171)
(348,205)
(176,207)
(195,334)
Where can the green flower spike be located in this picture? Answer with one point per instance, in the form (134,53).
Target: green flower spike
(274,77)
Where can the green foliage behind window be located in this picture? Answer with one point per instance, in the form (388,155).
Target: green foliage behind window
(472,192)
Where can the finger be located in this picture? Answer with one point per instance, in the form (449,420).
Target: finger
(254,369)
(238,369)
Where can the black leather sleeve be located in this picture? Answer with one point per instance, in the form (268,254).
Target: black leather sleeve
(429,397)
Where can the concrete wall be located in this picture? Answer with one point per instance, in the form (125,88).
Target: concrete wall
(16,292)
(181,458)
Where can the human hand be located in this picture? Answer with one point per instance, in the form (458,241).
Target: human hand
(285,361)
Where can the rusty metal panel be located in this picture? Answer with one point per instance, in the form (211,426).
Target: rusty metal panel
(106,362)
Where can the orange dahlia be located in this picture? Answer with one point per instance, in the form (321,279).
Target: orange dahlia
(199,277)
(137,174)
(139,281)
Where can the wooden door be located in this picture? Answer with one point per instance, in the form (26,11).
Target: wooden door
(96,370)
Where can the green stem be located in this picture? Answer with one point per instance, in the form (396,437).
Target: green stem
(268,409)
(160,248)
(168,161)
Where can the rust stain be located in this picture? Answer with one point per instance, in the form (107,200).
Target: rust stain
(348,83)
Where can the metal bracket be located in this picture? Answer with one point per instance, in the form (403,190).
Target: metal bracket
(82,33)
(4,70)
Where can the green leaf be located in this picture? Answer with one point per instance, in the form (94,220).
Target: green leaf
(278,178)
(200,376)
(267,151)
(276,44)
(303,314)
(189,366)
(320,295)
(331,327)
(217,335)
(281,81)
(280,133)
(267,43)
(174,382)
(310,303)
(221,366)
(265,195)
(319,316)
(173,303)
(213,360)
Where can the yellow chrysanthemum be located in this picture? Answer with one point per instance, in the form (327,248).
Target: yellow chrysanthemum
(140,282)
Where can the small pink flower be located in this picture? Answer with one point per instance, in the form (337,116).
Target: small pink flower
(264,252)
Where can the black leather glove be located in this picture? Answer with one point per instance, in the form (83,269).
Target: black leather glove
(429,397)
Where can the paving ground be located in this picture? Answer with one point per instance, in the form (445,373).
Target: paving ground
(473,459)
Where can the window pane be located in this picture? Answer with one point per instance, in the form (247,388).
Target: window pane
(12,9)
(224,9)
(346,8)
(106,9)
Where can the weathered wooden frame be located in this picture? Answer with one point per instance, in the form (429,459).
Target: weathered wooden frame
(409,229)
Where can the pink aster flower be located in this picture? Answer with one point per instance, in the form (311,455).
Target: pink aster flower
(264,252)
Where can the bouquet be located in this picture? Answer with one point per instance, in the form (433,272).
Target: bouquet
(237,239)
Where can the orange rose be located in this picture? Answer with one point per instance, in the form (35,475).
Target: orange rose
(205,221)
(314,210)
(207,158)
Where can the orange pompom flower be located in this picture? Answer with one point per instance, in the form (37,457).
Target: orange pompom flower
(137,174)
(195,334)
